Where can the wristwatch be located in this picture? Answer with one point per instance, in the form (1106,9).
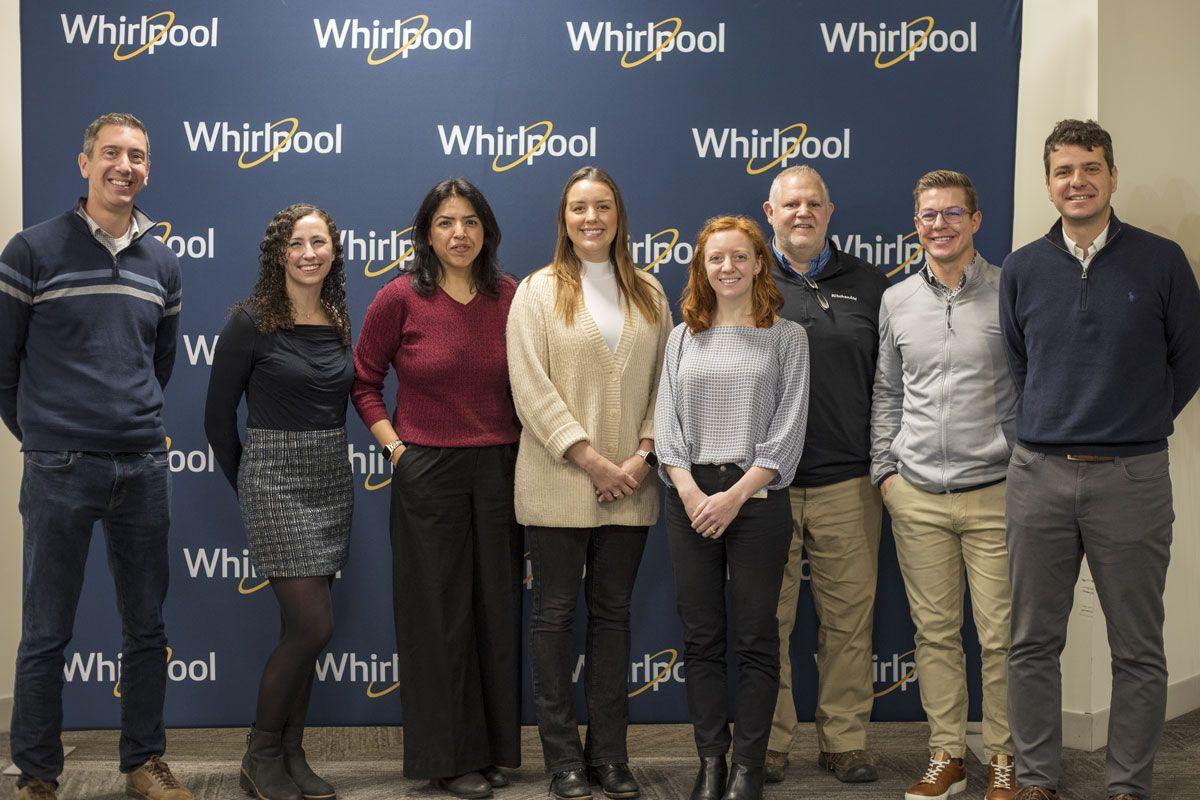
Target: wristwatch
(391,447)
(649,457)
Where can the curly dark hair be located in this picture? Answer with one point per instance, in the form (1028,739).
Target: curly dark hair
(1086,134)
(269,304)
(426,269)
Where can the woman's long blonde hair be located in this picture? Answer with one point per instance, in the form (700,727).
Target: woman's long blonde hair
(565,267)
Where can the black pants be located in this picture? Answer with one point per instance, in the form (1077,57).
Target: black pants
(753,552)
(611,555)
(456,590)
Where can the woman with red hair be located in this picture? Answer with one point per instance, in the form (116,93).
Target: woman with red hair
(732,407)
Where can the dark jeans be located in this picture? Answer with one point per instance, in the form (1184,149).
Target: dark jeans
(62,495)
(611,554)
(1119,514)
(752,553)
(456,588)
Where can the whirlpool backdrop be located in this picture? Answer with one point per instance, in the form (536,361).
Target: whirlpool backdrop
(361,106)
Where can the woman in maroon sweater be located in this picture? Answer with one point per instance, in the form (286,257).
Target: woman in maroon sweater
(456,546)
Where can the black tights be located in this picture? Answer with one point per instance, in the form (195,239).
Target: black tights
(306,625)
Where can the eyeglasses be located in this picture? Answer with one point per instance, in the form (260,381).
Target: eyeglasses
(952,216)
(821,299)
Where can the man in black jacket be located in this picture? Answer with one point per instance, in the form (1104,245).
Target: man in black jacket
(835,509)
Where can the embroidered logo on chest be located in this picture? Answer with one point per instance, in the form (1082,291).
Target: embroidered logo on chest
(840,296)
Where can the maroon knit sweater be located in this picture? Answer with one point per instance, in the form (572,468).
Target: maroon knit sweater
(451,365)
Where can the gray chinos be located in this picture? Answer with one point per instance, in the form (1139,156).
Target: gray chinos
(1118,513)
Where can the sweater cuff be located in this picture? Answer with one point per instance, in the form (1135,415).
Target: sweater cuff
(647,429)
(562,439)
(883,478)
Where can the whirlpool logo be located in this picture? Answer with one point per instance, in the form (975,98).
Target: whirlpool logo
(660,249)
(891,254)
(96,667)
(133,37)
(385,41)
(382,252)
(892,44)
(380,674)
(776,148)
(511,148)
(639,43)
(197,246)
(257,144)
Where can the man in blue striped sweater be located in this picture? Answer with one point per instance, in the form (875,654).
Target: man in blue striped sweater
(89,311)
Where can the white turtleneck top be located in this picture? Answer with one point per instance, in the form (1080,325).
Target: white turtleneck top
(602,297)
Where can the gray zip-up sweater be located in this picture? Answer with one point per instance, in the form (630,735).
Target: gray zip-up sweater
(943,413)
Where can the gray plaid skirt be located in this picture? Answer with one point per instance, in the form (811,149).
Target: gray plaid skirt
(297,494)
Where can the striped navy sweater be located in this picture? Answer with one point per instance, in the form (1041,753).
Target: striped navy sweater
(87,339)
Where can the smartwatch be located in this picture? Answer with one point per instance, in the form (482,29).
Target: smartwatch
(649,457)
(390,448)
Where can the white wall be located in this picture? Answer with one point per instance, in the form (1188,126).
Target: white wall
(10,458)
(1149,64)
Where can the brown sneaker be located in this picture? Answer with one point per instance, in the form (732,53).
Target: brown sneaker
(154,781)
(852,766)
(942,779)
(36,789)
(773,769)
(1035,793)
(1000,778)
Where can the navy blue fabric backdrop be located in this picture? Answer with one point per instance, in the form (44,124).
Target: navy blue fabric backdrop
(360,108)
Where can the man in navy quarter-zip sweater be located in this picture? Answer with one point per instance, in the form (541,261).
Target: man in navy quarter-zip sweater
(1101,324)
(89,311)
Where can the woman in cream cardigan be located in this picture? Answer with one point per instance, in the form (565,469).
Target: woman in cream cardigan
(585,344)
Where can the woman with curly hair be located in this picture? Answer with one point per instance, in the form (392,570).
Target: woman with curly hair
(732,408)
(456,545)
(287,349)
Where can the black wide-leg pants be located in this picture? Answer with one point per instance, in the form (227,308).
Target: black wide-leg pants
(752,553)
(457,554)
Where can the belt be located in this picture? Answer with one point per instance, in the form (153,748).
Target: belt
(976,487)
(1090,459)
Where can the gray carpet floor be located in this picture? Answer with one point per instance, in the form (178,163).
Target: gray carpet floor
(364,764)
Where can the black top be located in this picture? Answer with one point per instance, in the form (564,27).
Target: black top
(843,346)
(297,380)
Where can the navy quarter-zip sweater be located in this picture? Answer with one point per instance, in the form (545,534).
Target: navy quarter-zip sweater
(843,346)
(87,339)
(1106,359)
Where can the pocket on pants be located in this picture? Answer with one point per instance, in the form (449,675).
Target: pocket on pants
(1149,467)
(1022,456)
(52,460)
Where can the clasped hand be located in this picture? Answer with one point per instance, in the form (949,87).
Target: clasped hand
(711,514)
(613,482)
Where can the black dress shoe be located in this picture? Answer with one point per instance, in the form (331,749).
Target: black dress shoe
(494,776)
(710,780)
(615,779)
(570,784)
(471,785)
(745,783)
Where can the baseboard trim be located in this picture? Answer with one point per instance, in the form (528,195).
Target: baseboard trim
(6,704)
(1089,731)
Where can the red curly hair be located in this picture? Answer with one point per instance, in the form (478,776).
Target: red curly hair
(699,302)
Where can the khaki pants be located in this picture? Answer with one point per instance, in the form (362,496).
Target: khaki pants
(837,526)
(937,535)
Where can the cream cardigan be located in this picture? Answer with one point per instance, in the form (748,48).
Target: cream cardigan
(569,387)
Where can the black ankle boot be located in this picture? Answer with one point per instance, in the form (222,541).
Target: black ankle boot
(710,780)
(263,773)
(311,785)
(745,783)
(570,784)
